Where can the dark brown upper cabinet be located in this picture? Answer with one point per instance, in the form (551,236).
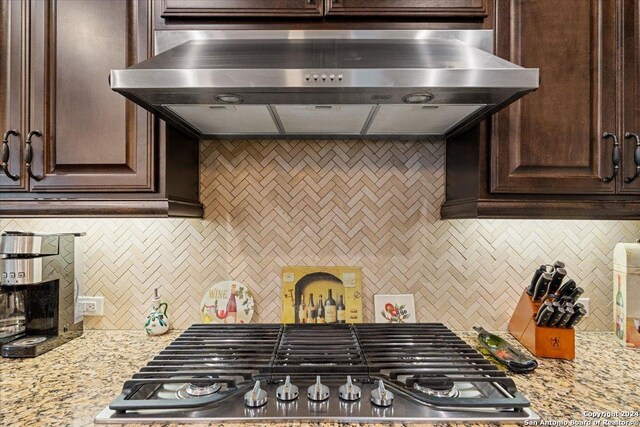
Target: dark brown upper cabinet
(408,8)
(82,149)
(240,8)
(553,154)
(551,141)
(12,94)
(630,130)
(89,138)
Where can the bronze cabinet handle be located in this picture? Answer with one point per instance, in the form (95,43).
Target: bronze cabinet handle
(616,156)
(6,154)
(636,156)
(28,155)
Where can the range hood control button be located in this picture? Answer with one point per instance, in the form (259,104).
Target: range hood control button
(324,77)
(315,77)
(307,77)
(332,76)
(339,76)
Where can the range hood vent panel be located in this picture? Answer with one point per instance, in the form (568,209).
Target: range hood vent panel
(219,119)
(419,119)
(285,81)
(323,119)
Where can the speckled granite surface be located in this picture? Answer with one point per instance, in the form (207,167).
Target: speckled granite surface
(71,384)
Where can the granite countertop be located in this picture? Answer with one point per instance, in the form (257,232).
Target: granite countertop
(71,384)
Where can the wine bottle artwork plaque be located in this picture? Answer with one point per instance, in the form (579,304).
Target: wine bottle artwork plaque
(626,294)
(227,302)
(321,295)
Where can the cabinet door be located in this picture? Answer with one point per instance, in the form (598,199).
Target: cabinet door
(13,25)
(435,8)
(240,8)
(93,139)
(631,94)
(551,140)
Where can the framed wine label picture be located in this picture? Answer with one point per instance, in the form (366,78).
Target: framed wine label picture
(321,295)
(227,302)
(397,308)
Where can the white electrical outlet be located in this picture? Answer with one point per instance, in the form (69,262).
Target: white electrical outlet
(585,302)
(92,306)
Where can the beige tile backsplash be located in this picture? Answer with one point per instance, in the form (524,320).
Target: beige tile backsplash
(337,202)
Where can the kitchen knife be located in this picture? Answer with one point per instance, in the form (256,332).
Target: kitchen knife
(576,294)
(558,264)
(558,275)
(545,316)
(568,313)
(541,309)
(534,279)
(577,316)
(542,286)
(566,288)
(550,297)
(555,318)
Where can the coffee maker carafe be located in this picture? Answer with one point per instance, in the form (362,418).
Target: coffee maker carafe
(39,291)
(12,315)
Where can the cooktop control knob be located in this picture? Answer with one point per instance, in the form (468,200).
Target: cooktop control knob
(380,396)
(318,391)
(349,391)
(256,397)
(287,391)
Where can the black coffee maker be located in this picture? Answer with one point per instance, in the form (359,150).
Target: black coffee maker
(39,292)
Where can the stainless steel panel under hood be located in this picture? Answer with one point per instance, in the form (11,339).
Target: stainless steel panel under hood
(324,82)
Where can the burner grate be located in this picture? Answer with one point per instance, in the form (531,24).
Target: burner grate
(318,349)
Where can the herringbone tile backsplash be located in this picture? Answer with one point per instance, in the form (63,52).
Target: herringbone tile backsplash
(373,204)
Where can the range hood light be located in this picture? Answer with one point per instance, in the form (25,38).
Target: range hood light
(417,98)
(229,99)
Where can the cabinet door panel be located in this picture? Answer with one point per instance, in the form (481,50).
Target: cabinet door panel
(240,8)
(631,94)
(435,8)
(14,24)
(551,140)
(93,139)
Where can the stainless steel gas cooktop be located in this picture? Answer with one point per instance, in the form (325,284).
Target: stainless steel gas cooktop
(338,372)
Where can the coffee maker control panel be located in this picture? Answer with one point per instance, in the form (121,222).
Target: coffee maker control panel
(21,271)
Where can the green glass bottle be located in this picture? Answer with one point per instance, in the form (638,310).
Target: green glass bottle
(502,351)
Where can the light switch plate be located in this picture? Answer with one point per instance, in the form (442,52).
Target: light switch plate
(92,306)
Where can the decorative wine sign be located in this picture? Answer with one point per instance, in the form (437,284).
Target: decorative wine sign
(227,302)
(321,295)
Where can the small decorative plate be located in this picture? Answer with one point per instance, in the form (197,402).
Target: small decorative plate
(217,306)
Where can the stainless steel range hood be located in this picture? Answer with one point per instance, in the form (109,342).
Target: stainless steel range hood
(307,83)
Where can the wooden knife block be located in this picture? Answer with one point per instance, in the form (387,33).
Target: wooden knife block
(542,341)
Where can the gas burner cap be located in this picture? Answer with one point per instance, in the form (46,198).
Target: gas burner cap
(436,385)
(198,390)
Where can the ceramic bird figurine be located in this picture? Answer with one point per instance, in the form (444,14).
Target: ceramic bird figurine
(157,321)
